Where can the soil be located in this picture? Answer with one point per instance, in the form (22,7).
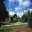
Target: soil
(18,29)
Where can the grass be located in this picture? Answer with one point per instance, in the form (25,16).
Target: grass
(13,26)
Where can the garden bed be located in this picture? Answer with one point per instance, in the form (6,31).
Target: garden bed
(17,29)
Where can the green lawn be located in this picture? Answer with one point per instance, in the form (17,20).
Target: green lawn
(14,26)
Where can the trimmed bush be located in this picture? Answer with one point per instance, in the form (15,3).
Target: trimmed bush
(30,22)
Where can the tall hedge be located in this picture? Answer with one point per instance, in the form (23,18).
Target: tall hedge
(30,22)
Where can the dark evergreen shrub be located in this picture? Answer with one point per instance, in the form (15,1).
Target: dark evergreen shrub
(30,22)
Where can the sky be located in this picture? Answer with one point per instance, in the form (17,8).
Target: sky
(18,6)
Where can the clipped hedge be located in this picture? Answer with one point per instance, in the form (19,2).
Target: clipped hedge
(30,22)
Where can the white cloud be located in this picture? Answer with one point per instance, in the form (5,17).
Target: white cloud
(26,3)
(24,10)
(19,14)
(30,10)
(18,9)
(20,2)
(11,13)
(22,5)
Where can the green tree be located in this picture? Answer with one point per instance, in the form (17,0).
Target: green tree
(28,13)
(23,18)
(15,18)
(31,14)
(29,19)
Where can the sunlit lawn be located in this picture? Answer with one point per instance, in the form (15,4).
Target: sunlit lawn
(13,26)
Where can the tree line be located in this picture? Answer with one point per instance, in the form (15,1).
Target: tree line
(24,18)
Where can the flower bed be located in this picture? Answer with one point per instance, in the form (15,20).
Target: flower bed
(18,29)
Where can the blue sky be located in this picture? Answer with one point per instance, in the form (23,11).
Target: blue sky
(18,6)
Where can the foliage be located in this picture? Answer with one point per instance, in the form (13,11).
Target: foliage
(30,23)
(24,18)
(31,14)
(15,18)
(28,13)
